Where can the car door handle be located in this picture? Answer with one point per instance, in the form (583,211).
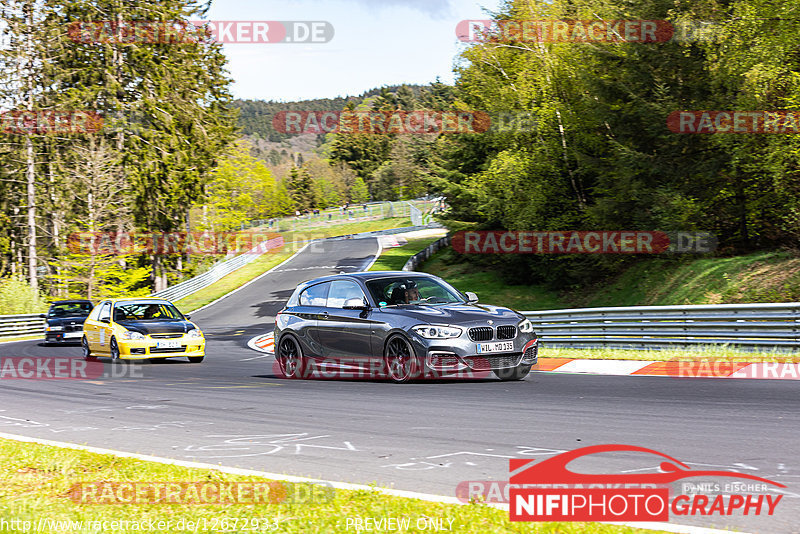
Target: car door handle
(323,315)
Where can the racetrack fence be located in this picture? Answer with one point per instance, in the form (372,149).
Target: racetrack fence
(420,257)
(747,326)
(751,326)
(21,325)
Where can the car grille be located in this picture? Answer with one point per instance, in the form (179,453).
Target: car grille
(154,350)
(481,333)
(531,354)
(165,336)
(442,359)
(506,332)
(486,363)
(73,328)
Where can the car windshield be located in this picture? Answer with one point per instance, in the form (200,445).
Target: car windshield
(146,311)
(70,309)
(399,290)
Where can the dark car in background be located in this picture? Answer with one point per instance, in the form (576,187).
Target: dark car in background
(65,320)
(411,324)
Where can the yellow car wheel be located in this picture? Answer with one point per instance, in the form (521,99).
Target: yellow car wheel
(87,352)
(114,350)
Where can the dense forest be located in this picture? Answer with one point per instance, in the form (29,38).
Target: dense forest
(599,153)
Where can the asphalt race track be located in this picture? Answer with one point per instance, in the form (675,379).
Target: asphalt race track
(428,436)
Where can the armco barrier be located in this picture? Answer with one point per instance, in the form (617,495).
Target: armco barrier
(187,287)
(21,325)
(415,260)
(764,326)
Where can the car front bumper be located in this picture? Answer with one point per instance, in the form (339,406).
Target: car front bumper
(459,354)
(147,348)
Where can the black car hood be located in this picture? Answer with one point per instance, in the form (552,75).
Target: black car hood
(455,313)
(59,321)
(157,327)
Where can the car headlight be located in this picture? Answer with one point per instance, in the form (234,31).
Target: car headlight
(194,332)
(55,328)
(526,326)
(129,335)
(434,331)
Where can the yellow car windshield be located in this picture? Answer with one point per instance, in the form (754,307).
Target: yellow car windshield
(146,311)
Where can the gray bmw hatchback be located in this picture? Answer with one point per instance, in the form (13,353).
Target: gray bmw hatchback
(405,325)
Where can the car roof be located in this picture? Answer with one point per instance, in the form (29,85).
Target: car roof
(366,276)
(136,299)
(70,301)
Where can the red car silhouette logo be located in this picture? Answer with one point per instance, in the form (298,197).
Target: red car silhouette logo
(554,470)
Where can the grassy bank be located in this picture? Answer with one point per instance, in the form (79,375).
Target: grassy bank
(294,242)
(393,259)
(759,277)
(37,482)
(489,286)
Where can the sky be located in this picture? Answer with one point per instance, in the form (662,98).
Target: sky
(375,43)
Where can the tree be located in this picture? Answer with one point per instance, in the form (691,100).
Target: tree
(359,192)
(299,186)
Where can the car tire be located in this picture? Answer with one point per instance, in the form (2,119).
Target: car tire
(195,359)
(87,352)
(114,349)
(400,360)
(513,373)
(289,356)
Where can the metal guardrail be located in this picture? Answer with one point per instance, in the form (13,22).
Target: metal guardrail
(21,325)
(415,260)
(766,326)
(187,287)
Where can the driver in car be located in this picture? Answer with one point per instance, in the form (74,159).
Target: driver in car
(405,293)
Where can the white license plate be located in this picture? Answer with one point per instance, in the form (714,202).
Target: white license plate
(502,346)
(168,344)
(72,334)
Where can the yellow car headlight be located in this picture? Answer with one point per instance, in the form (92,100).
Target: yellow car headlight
(131,336)
(195,332)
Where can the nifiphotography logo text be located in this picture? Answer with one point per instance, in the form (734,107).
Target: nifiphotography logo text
(548,491)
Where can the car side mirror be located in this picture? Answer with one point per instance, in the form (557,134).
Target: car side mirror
(355,304)
(105,320)
(43,315)
(472,298)
(187,316)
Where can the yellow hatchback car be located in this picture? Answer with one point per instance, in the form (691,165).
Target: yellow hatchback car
(141,328)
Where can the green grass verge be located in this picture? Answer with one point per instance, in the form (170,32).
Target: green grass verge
(488,285)
(36,482)
(758,277)
(393,259)
(21,338)
(710,353)
(295,241)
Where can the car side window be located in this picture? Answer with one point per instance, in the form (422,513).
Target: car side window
(316,295)
(343,290)
(105,311)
